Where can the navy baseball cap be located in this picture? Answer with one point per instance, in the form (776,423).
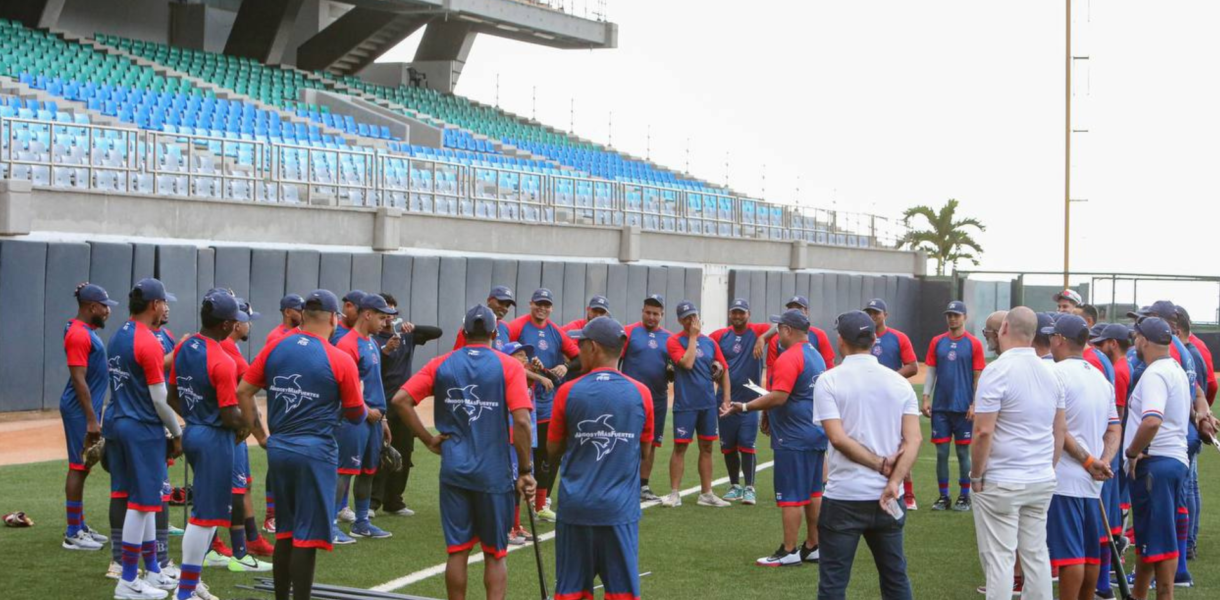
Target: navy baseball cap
(152,289)
(604,331)
(687,308)
(479,319)
(227,308)
(793,318)
(1181,315)
(244,305)
(293,301)
(324,300)
(599,302)
(94,293)
(740,304)
(504,294)
(800,301)
(1155,330)
(1096,329)
(1072,327)
(1112,331)
(1164,309)
(543,295)
(956,307)
(219,290)
(1046,326)
(876,304)
(656,300)
(856,327)
(377,303)
(512,348)
(354,297)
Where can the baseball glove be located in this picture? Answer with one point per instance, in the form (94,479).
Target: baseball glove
(391,459)
(95,454)
(18,519)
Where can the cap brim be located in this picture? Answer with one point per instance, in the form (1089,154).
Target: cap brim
(577,334)
(389,310)
(254,316)
(955,312)
(795,305)
(170,297)
(110,303)
(241,317)
(872,309)
(507,299)
(1047,331)
(688,313)
(542,301)
(739,308)
(654,302)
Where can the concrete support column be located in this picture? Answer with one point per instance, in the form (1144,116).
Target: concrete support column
(387,229)
(442,53)
(16,209)
(800,256)
(629,244)
(262,29)
(42,14)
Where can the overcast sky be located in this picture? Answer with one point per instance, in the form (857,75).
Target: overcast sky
(877,106)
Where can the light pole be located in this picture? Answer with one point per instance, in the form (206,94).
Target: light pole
(1067,149)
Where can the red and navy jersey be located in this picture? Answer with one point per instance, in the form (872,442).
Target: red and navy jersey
(1209,367)
(280,331)
(136,361)
(206,377)
(738,351)
(340,331)
(792,426)
(1122,383)
(84,348)
(694,388)
(310,384)
(551,345)
(166,337)
(817,337)
(646,359)
(575,324)
(955,361)
(893,349)
(1101,362)
(473,390)
(502,336)
(367,355)
(603,416)
(230,348)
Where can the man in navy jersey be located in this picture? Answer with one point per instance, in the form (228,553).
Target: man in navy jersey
(1206,378)
(203,389)
(141,413)
(955,360)
(80,404)
(598,306)
(500,300)
(360,443)
(553,349)
(738,433)
(290,311)
(695,405)
(475,390)
(799,444)
(600,423)
(351,312)
(646,360)
(310,384)
(818,338)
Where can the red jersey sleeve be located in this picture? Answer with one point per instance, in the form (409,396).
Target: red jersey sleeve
(675,349)
(717,335)
(930,360)
(558,429)
(648,434)
(906,352)
(256,374)
(148,354)
(349,344)
(419,386)
(1122,382)
(627,331)
(570,348)
(720,357)
(460,340)
(78,345)
(515,326)
(787,367)
(516,390)
(980,360)
(825,349)
(772,351)
(222,370)
(760,329)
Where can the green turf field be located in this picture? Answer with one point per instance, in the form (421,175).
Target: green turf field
(691,551)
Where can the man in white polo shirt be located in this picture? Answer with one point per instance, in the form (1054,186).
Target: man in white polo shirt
(871,417)
(1018,435)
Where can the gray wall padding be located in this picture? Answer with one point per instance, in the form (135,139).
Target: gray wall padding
(110,267)
(396,279)
(451,284)
(143,262)
(758,289)
(366,272)
(529,278)
(302,274)
(552,279)
(205,269)
(478,281)
(177,268)
(573,294)
(67,267)
(232,272)
(787,285)
(268,275)
(636,284)
(23,279)
(694,285)
(335,273)
(425,272)
(595,284)
(675,287)
(504,272)
(619,292)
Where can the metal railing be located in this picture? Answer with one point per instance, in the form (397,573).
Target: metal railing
(114,159)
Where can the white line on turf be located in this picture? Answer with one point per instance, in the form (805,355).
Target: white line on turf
(476,557)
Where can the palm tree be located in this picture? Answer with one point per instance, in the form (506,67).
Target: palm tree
(946,239)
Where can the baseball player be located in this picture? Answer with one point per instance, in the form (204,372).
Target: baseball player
(955,360)
(738,432)
(646,360)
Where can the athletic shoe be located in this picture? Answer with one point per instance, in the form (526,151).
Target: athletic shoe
(176,531)
(646,495)
(735,493)
(81,541)
(1104,594)
(369,530)
(712,500)
(137,590)
(1191,552)
(347,515)
(809,555)
(671,500)
(546,514)
(911,504)
(216,559)
(115,571)
(514,539)
(269,525)
(171,569)
(160,581)
(941,503)
(402,512)
(523,534)
(749,497)
(1017,586)
(962,504)
(219,547)
(203,593)
(97,537)
(260,547)
(1183,580)
(249,564)
(340,538)
(781,558)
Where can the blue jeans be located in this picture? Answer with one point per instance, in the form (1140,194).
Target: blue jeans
(1194,500)
(840,526)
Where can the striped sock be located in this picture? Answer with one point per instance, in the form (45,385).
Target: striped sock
(270,505)
(1183,530)
(116,545)
(75,520)
(1103,575)
(908,489)
(944,487)
(131,561)
(965,485)
(188,581)
(149,550)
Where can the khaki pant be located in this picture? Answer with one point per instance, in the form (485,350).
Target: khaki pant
(1010,519)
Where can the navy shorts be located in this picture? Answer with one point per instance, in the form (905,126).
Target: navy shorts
(141,462)
(469,517)
(359,448)
(739,432)
(241,469)
(115,459)
(609,552)
(304,497)
(951,425)
(689,423)
(1074,531)
(798,476)
(660,409)
(74,433)
(209,451)
(1157,504)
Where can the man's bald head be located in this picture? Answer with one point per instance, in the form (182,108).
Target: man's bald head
(996,319)
(991,330)
(1020,325)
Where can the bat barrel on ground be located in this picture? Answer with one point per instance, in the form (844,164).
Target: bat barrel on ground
(1116,559)
(339,589)
(335,592)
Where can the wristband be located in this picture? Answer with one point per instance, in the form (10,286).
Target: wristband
(1089,461)
(745,407)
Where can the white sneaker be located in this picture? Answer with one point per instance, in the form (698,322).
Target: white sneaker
(115,571)
(781,558)
(137,590)
(169,568)
(203,593)
(404,512)
(712,500)
(81,541)
(372,514)
(671,500)
(97,537)
(215,559)
(161,581)
(347,515)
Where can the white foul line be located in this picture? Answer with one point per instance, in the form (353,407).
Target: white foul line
(476,557)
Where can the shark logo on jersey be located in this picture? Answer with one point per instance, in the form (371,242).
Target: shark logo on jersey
(117,375)
(465,400)
(602,434)
(187,393)
(288,389)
